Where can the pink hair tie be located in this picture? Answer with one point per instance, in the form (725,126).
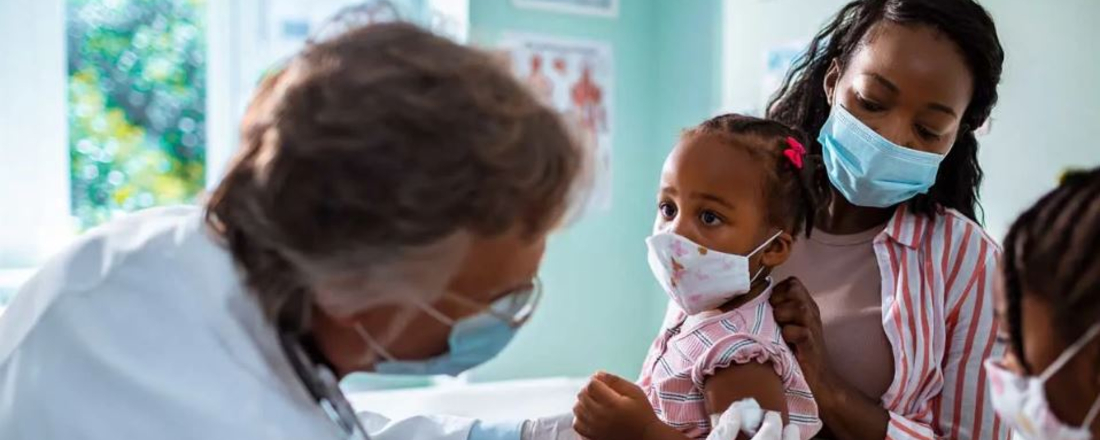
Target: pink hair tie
(794,152)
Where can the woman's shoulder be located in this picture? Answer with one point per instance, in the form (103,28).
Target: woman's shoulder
(962,227)
(946,232)
(964,254)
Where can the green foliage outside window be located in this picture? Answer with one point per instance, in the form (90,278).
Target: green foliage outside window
(137,97)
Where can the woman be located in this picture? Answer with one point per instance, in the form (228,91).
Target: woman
(891,312)
(387,212)
(1047,386)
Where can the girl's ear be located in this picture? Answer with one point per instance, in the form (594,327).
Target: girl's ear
(832,77)
(778,251)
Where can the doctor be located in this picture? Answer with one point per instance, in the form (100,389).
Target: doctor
(387,211)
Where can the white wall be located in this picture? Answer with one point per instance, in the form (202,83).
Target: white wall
(750,29)
(34,206)
(1049,113)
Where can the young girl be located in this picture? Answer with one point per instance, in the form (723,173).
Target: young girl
(734,193)
(1047,386)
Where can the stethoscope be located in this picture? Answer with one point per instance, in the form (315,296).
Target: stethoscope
(319,379)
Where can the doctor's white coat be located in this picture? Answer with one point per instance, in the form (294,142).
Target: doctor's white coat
(142,330)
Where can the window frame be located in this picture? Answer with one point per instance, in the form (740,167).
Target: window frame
(35,84)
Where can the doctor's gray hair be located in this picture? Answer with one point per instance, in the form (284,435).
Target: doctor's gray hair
(378,141)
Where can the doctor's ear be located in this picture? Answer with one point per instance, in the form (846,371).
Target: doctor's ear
(777,252)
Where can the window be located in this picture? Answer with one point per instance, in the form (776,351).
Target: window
(118,105)
(136,105)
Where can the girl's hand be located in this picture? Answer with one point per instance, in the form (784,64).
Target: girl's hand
(612,408)
(797,314)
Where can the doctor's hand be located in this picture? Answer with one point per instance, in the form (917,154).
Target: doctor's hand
(798,316)
(612,408)
(745,418)
(559,427)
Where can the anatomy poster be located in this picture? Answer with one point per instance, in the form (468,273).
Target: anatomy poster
(287,24)
(576,78)
(605,8)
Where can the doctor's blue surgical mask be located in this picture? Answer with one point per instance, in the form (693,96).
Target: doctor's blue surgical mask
(473,340)
(867,168)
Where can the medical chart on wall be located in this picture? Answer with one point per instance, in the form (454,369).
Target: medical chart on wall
(289,23)
(264,34)
(604,8)
(575,77)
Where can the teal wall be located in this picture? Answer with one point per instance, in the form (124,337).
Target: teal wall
(599,303)
(602,307)
(688,88)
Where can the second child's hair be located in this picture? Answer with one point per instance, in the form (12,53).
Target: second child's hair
(1052,251)
(789,193)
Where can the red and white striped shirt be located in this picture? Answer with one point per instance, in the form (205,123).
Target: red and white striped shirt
(938,316)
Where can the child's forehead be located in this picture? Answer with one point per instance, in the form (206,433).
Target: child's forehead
(717,152)
(715,166)
(744,143)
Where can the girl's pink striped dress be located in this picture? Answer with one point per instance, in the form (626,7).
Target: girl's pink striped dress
(687,352)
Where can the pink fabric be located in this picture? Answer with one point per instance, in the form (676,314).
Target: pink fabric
(684,355)
(842,274)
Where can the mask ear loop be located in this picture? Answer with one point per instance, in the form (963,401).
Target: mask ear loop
(764,244)
(373,343)
(758,249)
(378,348)
(758,272)
(1064,358)
(439,316)
(1070,353)
(1092,413)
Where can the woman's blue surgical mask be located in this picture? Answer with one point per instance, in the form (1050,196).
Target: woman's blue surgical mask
(473,341)
(867,168)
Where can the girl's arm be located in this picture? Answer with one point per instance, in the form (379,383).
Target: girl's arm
(746,381)
(612,408)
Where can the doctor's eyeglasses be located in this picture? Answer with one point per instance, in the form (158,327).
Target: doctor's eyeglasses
(514,308)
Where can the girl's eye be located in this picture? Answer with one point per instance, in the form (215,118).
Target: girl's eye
(927,134)
(710,218)
(668,210)
(868,105)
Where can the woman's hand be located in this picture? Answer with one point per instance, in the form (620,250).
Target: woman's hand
(847,413)
(612,408)
(797,314)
